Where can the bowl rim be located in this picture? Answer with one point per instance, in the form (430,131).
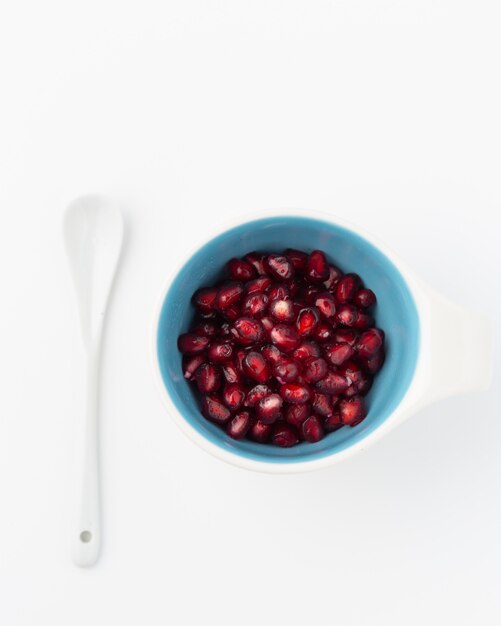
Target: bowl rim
(400,412)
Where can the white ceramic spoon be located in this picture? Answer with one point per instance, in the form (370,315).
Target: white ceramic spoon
(93,233)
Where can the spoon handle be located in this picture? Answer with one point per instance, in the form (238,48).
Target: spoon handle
(86,538)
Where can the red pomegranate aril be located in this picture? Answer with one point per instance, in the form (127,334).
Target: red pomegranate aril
(370,342)
(191,364)
(256,259)
(282,310)
(220,351)
(323,332)
(224,330)
(247,331)
(310,293)
(205,299)
(255,304)
(333,422)
(338,353)
(271,353)
(317,268)
(305,350)
(375,363)
(360,386)
(295,393)
(279,266)
(206,328)
(268,409)
(322,404)
(241,270)
(233,396)
(307,321)
(258,285)
(260,432)
(363,321)
(277,291)
(256,367)
(352,371)
(332,384)
(297,258)
(334,275)
(346,335)
(238,427)
(239,361)
(230,373)
(286,370)
(284,435)
(268,324)
(189,343)
(347,287)
(295,414)
(352,411)
(364,298)
(255,394)
(215,410)
(315,368)
(313,429)
(229,294)
(284,337)
(232,313)
(347,315)
(325,303)
(208,378)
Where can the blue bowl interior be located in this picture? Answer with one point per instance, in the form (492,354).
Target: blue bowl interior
(395,313)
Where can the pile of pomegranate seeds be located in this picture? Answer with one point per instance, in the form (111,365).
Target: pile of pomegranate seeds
(284,350)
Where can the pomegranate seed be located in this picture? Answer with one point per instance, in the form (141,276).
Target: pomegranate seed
(224,331)
(375,363)
(322,404)
(315,368)
(230,373)
(256,367)
(233,396)
(278,292)
(323,332)
(352,410)
(258,285)
(284,337)
(361,384)
(255,304)
(313,429)
(347,315)
(260,432)
(346,335)
(239,425)
(334,275)
(206,328)
(364,298)
(214,409)
(279,266)
(284,435)
(229,294)
(333,422)
(241,270)
(338,353)
(326,305)
(220,351)
(271,353)
(239,361)
(307,321)
(295,393)
(247,331)
(363,321)
(255,394)
(370,342)
(347,287)
(295,414)
(286,370)
(352,372)
(205,299)
(208,378)
(282,310)
(268,408)
(317,268)
(192,344)
(191,364)
(332,384)
(310,293)
(267,323)
(256,259)
(305,350)
(297,258)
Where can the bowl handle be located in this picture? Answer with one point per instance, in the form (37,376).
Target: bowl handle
(457,349)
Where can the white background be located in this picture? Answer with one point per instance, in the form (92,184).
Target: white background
(384,112)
